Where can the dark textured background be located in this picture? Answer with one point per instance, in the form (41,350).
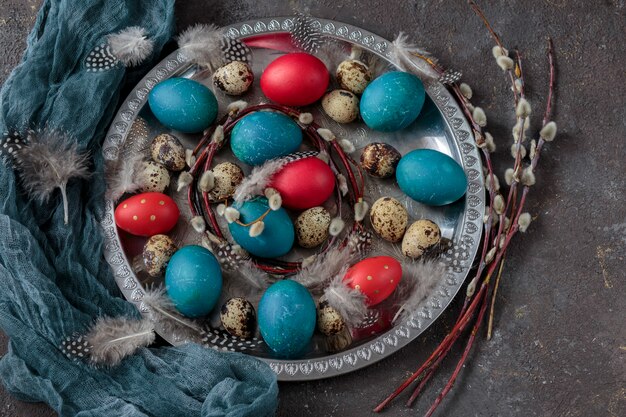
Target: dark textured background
(560,339)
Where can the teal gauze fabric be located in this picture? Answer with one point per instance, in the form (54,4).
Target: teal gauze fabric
(53,279)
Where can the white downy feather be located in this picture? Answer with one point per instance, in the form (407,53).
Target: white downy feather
(349,302)
(123,178)
(402,54)
(113,339)
(260,177)
(418,280)
(131,45)
(202,45)
(324,267)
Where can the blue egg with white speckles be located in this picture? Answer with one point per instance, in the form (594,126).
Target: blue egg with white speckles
(287,318)
(278,234)
(193,281)
(183,104)
(392,101)
(264,135)
(431,177)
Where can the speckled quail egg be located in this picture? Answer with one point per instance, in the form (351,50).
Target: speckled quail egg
(420,236)
(234,78)
(238,317)
(227,177)
(389,218)
(329,321)
(312,227)
(156,254)
(167,150)
(353,75)
(341,105)
(153,177)
(380,160)
(339,341)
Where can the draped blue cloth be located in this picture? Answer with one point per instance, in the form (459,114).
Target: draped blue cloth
(53,278)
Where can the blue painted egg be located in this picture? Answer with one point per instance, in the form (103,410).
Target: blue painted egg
(264,135)
(193,281)
(287,318)
(278,234)
(183,104)
(392,101)
(431,177)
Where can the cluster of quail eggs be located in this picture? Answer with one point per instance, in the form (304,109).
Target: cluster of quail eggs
(342,104)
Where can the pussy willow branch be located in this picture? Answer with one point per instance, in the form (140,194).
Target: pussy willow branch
(478,300)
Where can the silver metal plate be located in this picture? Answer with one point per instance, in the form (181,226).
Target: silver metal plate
(441,126)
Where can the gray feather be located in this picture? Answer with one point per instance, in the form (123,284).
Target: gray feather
(402,54)
(349,302)
(418,280)
(325,266)
(47,162)
(258,180)
(131,45)
(109,341)
(163,312)
(202,45)
(123,177)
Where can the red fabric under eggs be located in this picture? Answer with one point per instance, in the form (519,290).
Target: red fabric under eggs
(295,79)
(304,183)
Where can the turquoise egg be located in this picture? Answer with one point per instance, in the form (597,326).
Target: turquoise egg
(193,281)
(278,234)
(183,104)
(431,177)
(286,318)
(392,101)
(264,135)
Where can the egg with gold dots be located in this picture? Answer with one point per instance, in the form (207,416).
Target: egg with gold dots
(147,214)
(376,277)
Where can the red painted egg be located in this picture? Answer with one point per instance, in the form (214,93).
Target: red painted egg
(147,214)
(304,183)
(295,79)
(375,277)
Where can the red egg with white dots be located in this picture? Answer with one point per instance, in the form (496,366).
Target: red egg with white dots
(375,277)
(147,214)
(304,183)
(295,79)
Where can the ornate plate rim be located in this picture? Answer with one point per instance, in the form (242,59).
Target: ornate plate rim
(400,335)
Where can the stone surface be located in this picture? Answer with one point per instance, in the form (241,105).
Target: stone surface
(560,340)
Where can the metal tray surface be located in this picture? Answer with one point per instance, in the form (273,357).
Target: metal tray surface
(441,126)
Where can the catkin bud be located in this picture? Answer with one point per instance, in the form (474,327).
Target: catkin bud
(236,106)
(343,184)
(256,229)
(207,181)
(479,117)
(347,146)
(184,179)
(499,51)
(198,224)
(221,208)
(533,149)
(528,177)
(490,255)
(218,134)
(505,63)
(509,176)
(493,183)
(360,210)
(466,90)
(231,214)
(336,226)
(524,221)
(548,132)
(305,118)
(326,134)
(190,158)
(514,149)
(523,108)
(490,144)
(498,204)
